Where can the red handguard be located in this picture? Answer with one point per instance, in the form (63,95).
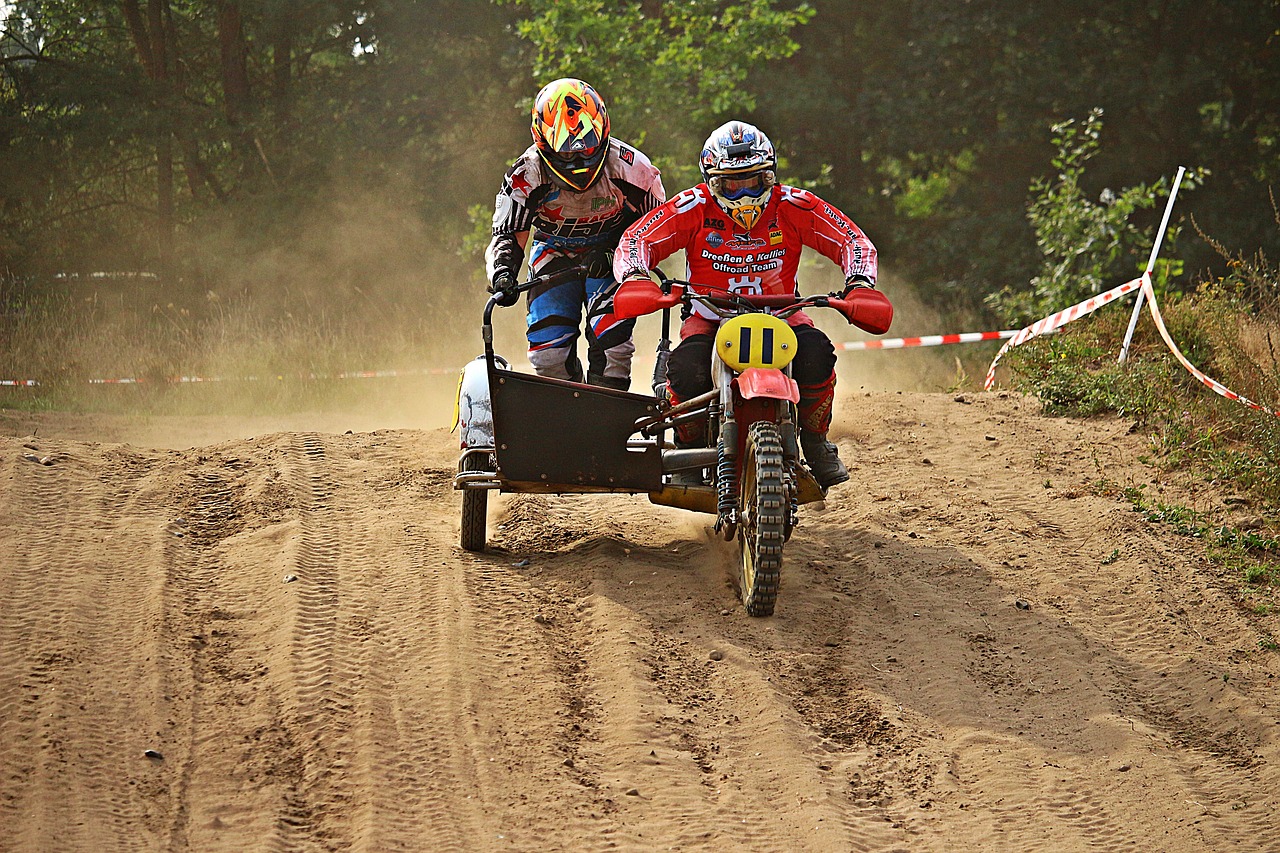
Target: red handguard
(639,296)
(868,309)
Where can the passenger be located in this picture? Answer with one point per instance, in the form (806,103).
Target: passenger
(576,189)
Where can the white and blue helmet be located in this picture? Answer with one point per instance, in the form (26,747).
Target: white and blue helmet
(738,164)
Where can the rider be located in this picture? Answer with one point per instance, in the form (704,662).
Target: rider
(743,231)
(577,189)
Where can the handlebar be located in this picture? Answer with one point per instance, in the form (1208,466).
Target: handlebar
(726,303)
(551,278)
(866,308)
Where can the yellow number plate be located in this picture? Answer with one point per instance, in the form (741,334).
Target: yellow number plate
(756,340)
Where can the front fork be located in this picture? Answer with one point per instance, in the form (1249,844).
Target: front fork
(729,451)
(791,461)
(727,445)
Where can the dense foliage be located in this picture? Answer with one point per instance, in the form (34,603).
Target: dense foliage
(186,136)
(935,117)
(220,141)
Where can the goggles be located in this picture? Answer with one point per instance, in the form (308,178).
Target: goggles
(578,168)
(735,187)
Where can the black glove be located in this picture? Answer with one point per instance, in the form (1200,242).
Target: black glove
(504,288)
(598,263)
(854,282)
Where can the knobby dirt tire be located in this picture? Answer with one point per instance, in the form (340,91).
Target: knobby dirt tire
(475,506)
(762,529)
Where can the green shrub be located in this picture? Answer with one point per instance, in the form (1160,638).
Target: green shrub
(1086,246)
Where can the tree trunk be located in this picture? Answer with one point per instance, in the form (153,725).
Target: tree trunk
(164,202)
(282,39)
(235,89)
(235,73)
(152,38)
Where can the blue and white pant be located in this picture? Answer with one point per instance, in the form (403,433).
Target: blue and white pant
(555,321)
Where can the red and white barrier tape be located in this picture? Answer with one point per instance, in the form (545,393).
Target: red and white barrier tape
(1055,321)
(1216,386)
(926,340)
(1089,305)
(851,346)
(1011,337)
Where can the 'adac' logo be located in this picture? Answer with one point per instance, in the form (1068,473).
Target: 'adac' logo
(714,240)
(711,222)
(775,237)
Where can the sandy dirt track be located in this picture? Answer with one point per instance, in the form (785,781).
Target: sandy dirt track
(275,644)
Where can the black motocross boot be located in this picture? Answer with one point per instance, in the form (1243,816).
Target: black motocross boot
(823,458)
(617,383)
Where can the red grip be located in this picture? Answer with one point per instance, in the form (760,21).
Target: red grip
(639,296)
(866,308)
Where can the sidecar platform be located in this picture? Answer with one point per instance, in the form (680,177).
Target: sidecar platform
(572,437)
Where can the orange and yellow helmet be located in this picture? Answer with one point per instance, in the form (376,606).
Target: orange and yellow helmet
(571,132)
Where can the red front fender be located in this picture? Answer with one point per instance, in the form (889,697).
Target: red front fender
(766,382)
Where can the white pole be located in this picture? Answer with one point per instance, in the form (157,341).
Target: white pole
(1151,265)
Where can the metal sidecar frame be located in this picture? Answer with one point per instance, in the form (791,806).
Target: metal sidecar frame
(572,437)
(551,436)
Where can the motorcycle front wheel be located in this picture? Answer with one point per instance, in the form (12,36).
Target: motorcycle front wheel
(762,521)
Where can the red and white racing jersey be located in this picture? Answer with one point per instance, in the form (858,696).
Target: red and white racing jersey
(764,260)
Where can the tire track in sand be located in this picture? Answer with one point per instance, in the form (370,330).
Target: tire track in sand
(216,666)
(678,750)
(320,663)
(76,601)
(414,671)
(424,691)
(501,709)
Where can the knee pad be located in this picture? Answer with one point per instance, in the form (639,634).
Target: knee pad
(689,367)
(557,363)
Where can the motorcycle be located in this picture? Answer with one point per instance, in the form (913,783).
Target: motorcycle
(514,425)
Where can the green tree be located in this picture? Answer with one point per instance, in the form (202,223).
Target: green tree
(669,71)
(931,116)
(130,128)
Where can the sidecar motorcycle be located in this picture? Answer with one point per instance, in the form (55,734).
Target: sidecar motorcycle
(523,433)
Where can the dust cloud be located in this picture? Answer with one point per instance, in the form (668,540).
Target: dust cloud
(286,316)
(274,320)
(926,369)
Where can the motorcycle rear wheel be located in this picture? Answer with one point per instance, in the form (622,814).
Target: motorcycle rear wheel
(475,506)
(763,518)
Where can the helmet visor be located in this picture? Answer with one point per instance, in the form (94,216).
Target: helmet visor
(582,160)
(578,168)
(734,187)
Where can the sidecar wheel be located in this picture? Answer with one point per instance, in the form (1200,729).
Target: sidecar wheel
(762,527)
(475,506)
